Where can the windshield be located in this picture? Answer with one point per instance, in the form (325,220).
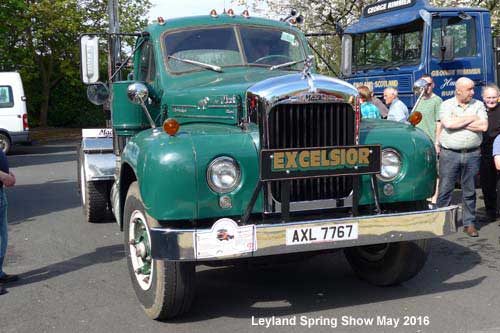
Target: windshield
(219,46)
(401,45)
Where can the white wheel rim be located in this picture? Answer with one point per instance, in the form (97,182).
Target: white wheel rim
(139,251)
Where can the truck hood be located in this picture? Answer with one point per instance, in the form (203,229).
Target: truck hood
(221,97)
(211,96)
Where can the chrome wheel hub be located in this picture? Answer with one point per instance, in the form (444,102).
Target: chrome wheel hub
(140,249)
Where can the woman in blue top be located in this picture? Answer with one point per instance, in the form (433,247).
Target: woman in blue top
(368,109)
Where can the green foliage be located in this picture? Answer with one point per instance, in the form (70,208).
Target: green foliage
(39,39)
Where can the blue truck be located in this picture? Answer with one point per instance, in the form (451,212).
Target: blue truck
(397,41)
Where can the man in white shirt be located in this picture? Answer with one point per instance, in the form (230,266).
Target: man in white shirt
(397,109)
(463,119)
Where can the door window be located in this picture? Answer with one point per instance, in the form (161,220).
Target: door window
(147,67)
(463,32)
(6,99)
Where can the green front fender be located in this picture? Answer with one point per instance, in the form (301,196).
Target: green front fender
(171,170)
(165,168)
(418,175)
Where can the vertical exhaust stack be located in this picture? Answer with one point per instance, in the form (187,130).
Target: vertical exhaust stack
(114,39)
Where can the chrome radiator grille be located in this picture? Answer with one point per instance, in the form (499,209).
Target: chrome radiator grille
(312,125)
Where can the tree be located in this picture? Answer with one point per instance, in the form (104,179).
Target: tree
(42,42)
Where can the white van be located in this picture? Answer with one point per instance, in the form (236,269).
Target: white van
(13,116)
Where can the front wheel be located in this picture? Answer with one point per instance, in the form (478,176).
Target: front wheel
(165,289)
(388,264)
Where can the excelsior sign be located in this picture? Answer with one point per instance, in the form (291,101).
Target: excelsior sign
(319,162)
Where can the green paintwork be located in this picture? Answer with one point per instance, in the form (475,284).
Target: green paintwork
(196,86)
(127,118)
(169,90)
(418,175)
(171,170)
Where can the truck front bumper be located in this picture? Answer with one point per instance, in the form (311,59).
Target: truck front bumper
(180,245)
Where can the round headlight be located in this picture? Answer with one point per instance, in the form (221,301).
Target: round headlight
(391,165)
(223,174)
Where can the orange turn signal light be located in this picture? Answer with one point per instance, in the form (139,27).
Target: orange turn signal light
(415,118)
(171,126)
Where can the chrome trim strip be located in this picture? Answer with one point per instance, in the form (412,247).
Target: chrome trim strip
(178,244)
(184,106)
(221,106)
(205,117)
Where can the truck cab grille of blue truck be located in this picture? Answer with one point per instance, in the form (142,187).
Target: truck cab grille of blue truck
(312,125)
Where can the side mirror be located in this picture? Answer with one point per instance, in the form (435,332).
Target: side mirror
(137,93)
(346,62)
(89,48)
(98,93)
(419,87)
(448,48)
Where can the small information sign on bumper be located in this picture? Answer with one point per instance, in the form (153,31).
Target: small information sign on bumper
(224,239)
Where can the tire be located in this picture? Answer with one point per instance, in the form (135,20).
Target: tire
(5,143)
(391,263)
(164,288)
(94,194)
(388,264)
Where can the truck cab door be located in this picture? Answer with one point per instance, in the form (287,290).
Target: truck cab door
(467,56)
(146,72)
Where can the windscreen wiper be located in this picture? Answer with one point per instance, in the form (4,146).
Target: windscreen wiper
(287,64)
(197,63)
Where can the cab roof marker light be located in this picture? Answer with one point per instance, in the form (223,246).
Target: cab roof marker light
(213,13)
(230,12)
(246,13)
(161,20)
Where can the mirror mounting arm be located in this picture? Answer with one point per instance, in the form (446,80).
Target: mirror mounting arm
(146,112)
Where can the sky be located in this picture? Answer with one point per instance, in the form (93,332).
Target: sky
(180,8)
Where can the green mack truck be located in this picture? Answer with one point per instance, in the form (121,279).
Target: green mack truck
(226,146)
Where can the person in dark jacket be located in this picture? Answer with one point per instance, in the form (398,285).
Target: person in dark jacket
(8,179)
(490,178)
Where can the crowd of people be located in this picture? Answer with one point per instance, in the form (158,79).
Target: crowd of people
(465,135)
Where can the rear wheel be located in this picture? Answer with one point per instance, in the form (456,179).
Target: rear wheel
(95,197)
(5,143)
(165,289)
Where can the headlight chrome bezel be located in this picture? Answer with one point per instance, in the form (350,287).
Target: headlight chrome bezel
(216,188)
(400,165)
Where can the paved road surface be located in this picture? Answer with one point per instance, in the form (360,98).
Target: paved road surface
(74,276)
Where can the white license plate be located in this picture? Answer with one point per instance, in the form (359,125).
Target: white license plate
(321,234)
